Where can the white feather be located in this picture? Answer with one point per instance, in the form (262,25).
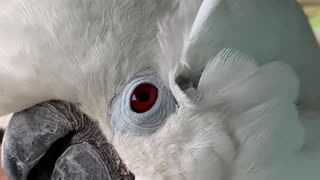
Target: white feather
(74,50)
(233,78)
(86,51)
(257,28)
(4,121)
(267,133)
(228,67)
(272,80)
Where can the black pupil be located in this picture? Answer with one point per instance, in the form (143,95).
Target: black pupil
(144,97)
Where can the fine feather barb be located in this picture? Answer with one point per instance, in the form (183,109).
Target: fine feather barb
(266,133)
(228,67)
(273,80)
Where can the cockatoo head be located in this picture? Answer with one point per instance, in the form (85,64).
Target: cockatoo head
(174,104)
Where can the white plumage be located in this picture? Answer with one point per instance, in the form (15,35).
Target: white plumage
(247,64)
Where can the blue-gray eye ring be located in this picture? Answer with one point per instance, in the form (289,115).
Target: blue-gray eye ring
(143,105)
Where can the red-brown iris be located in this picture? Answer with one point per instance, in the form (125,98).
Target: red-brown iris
(143,97)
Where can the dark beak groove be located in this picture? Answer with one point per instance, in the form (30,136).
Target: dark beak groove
(54,140)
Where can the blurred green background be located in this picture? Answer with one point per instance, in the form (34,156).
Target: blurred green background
(312,10)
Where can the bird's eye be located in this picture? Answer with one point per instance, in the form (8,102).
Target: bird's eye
(143,105)
(143,98)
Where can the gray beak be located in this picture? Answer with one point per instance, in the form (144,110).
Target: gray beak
(54,140)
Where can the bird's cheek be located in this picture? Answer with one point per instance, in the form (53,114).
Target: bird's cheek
(210,165)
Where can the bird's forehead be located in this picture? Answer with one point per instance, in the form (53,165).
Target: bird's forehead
(79,29)
(97,43)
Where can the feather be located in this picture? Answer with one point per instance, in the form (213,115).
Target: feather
(74,50)
(174,35)
(228,67)
(181,97)
(233,78)
(87,51)
(256,28)
(4,121)
(266,133)
(272,80)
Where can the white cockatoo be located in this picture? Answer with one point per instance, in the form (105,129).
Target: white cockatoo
(183,89)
